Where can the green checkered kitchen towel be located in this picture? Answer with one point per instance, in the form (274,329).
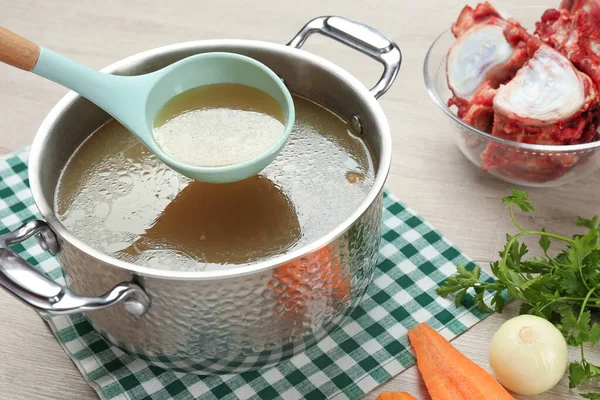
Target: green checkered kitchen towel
(369,348)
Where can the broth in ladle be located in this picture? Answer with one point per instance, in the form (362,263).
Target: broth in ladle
(218,125)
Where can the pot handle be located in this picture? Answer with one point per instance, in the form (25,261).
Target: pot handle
(45,295)
(360,37)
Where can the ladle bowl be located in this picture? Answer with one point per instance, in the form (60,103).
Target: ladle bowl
(134,101)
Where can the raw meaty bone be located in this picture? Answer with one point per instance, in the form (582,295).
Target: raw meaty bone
(591,7)
(482,58)
(547,102)
(574,34)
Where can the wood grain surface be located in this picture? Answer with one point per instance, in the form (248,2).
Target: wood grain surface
(17,51)
(428,172)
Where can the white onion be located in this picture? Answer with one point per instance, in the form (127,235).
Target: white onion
(528,355)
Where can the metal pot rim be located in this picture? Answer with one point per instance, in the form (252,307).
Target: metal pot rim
(46,209)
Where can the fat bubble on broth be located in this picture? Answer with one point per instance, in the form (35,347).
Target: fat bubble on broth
(120,199)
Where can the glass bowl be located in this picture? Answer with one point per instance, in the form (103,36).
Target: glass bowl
(517,163)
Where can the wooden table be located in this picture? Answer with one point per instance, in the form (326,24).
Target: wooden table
(428,172)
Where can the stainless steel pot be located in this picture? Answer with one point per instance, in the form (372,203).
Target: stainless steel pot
(215,321)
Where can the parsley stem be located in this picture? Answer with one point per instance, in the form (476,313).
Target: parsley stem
(573,299)
(579,268)
(524,233)
(552,235)
(541,233)
(583,279)
(514,220)
(581,311)
(578,299)
(585,301)
(527,232)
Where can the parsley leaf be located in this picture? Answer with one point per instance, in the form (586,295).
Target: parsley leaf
(544,242)
(537,265)
(520,199)
(583,330)
(593,396)
(588,223)
(563,289)
(571,285)
(581,372)
(577,374)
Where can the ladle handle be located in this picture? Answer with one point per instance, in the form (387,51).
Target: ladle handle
(17,51)
(122,97)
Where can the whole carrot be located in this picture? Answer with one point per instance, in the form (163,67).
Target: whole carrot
(449,374)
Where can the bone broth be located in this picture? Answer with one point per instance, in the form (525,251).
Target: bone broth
(217,125)
(119,198)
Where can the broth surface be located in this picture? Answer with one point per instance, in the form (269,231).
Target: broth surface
(120,199)
(221,124)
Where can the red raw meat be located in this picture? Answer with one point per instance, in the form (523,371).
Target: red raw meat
(478,111)
(591,7)
(575,36)
(470,17)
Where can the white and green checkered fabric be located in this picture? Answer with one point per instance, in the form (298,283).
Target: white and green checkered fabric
(368,349)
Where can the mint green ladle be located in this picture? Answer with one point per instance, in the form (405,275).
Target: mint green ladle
(134,101)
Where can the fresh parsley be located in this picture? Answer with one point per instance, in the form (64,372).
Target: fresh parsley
(564,289)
